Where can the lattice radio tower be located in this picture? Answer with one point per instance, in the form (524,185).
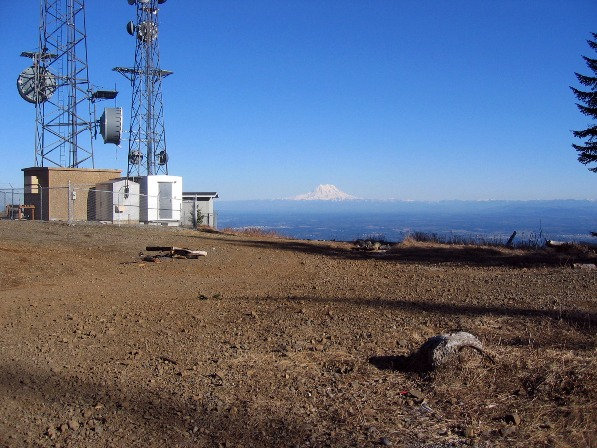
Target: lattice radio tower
(147,141)
(58,84)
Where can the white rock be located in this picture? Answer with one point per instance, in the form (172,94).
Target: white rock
(439,349)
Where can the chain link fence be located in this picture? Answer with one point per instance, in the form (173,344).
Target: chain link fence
(11,200)
(112,202)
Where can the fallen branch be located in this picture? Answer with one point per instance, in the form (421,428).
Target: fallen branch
(172,250)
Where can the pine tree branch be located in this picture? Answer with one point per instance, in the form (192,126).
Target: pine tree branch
(588,146)
(589,98)
(588,111)
(587,151)
(590,132)
(591,63)
(585,159)
(589,81)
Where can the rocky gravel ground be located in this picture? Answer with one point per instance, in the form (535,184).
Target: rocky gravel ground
(286,343)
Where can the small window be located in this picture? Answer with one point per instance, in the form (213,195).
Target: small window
(31,184)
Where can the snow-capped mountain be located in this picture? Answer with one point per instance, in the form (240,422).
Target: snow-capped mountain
(325,192)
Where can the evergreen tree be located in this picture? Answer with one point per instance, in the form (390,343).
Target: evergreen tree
(587,153)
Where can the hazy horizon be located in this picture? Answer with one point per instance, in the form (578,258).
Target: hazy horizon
(571,219)
(220,199)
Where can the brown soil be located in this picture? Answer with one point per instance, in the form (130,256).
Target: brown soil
(274,342)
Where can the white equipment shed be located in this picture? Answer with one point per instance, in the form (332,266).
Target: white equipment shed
(160,199)
(198,209)
(117,201)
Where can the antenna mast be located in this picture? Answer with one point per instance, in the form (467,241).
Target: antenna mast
(58,84)
(147,140)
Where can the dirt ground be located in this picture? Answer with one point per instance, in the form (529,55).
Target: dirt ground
(286,343)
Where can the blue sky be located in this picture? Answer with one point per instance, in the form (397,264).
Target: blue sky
(420,100)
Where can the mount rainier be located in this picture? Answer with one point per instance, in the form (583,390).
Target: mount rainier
(326,192)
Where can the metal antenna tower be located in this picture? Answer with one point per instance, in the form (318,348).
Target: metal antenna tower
(147,140)
(58,84)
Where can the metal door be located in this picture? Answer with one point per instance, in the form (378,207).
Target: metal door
(164,200)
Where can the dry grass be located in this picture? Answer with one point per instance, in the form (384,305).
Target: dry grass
(552,392)
(534,241)
(253,232)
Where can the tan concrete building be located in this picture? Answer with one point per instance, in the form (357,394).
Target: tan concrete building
(47,188)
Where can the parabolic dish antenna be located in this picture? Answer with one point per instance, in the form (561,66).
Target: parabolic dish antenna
(36,89)
(147,31)
(111,125)
(135,157)
(130,28)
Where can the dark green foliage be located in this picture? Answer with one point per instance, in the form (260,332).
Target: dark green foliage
(587,152)
(200,218)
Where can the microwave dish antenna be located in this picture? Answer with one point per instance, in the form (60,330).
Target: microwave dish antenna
(111,124)
(130,28)
(36,84)
(147,31)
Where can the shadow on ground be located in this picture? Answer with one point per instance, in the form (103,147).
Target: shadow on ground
(428,253)
(581,320)
(152,417)
(400,363)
